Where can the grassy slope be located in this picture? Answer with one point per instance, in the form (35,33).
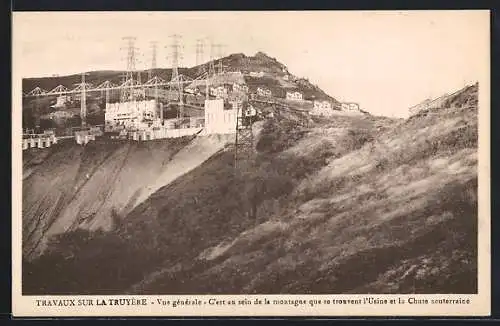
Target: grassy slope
(354,204)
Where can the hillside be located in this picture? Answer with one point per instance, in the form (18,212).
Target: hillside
(456,99)
(352,204)
(68,186)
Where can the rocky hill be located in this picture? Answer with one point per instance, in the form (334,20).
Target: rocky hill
(350,204)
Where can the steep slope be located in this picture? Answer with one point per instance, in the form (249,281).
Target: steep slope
(444,101)
(387,218)
(68,186)
(354,204)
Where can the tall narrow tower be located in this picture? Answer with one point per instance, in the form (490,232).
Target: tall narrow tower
(37,112)
(220,55)
(211,64)
(244,140)
(83,101)
(175,87)
(138,91)
(200,56)
(175,55)
(127,92)
(153,59)
(210,71)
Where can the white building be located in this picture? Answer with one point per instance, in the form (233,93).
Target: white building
(218,120)
(84,137)
(60,115)
(261,91)
(294,96)
(350,106)
(130,114)
(326,105)
(219,91)
(240,88)
(322,108)
(192,90)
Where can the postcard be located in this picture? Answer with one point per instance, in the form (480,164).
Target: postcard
(260,163)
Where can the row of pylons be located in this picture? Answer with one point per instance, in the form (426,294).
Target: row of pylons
(42,141)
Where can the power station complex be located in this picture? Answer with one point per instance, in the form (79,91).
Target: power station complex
(215,102)
(139,112)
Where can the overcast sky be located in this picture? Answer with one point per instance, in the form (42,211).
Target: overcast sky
(386,61)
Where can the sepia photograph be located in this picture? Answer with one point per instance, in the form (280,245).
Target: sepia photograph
(242,153)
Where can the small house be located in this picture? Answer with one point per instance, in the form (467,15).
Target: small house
(261,91)
(240,88)
(350,106)
(294,96)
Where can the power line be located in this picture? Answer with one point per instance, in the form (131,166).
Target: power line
(153,59)
(211,65)
(200,55)
(175,55)
(220,54)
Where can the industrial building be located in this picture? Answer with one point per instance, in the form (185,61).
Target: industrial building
(84,137)
(139,117)
(133,114)
(240,88)
(218,120)
(46,139)
(220,92)
(60,114)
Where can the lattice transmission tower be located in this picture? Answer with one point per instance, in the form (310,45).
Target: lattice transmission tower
(219,54)
(153,46)
(244,148)
(211,64)
(175,85)
(83,101)
(200,56)
(127,93)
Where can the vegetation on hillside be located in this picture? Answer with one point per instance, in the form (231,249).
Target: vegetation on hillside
(347,205)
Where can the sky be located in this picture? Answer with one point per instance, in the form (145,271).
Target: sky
(385,61)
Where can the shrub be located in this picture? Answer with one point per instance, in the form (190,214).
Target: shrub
(278,136)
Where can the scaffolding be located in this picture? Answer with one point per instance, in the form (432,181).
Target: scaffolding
(244,148)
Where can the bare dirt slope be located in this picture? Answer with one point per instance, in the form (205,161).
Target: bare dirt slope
(68,186)
(351,204)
